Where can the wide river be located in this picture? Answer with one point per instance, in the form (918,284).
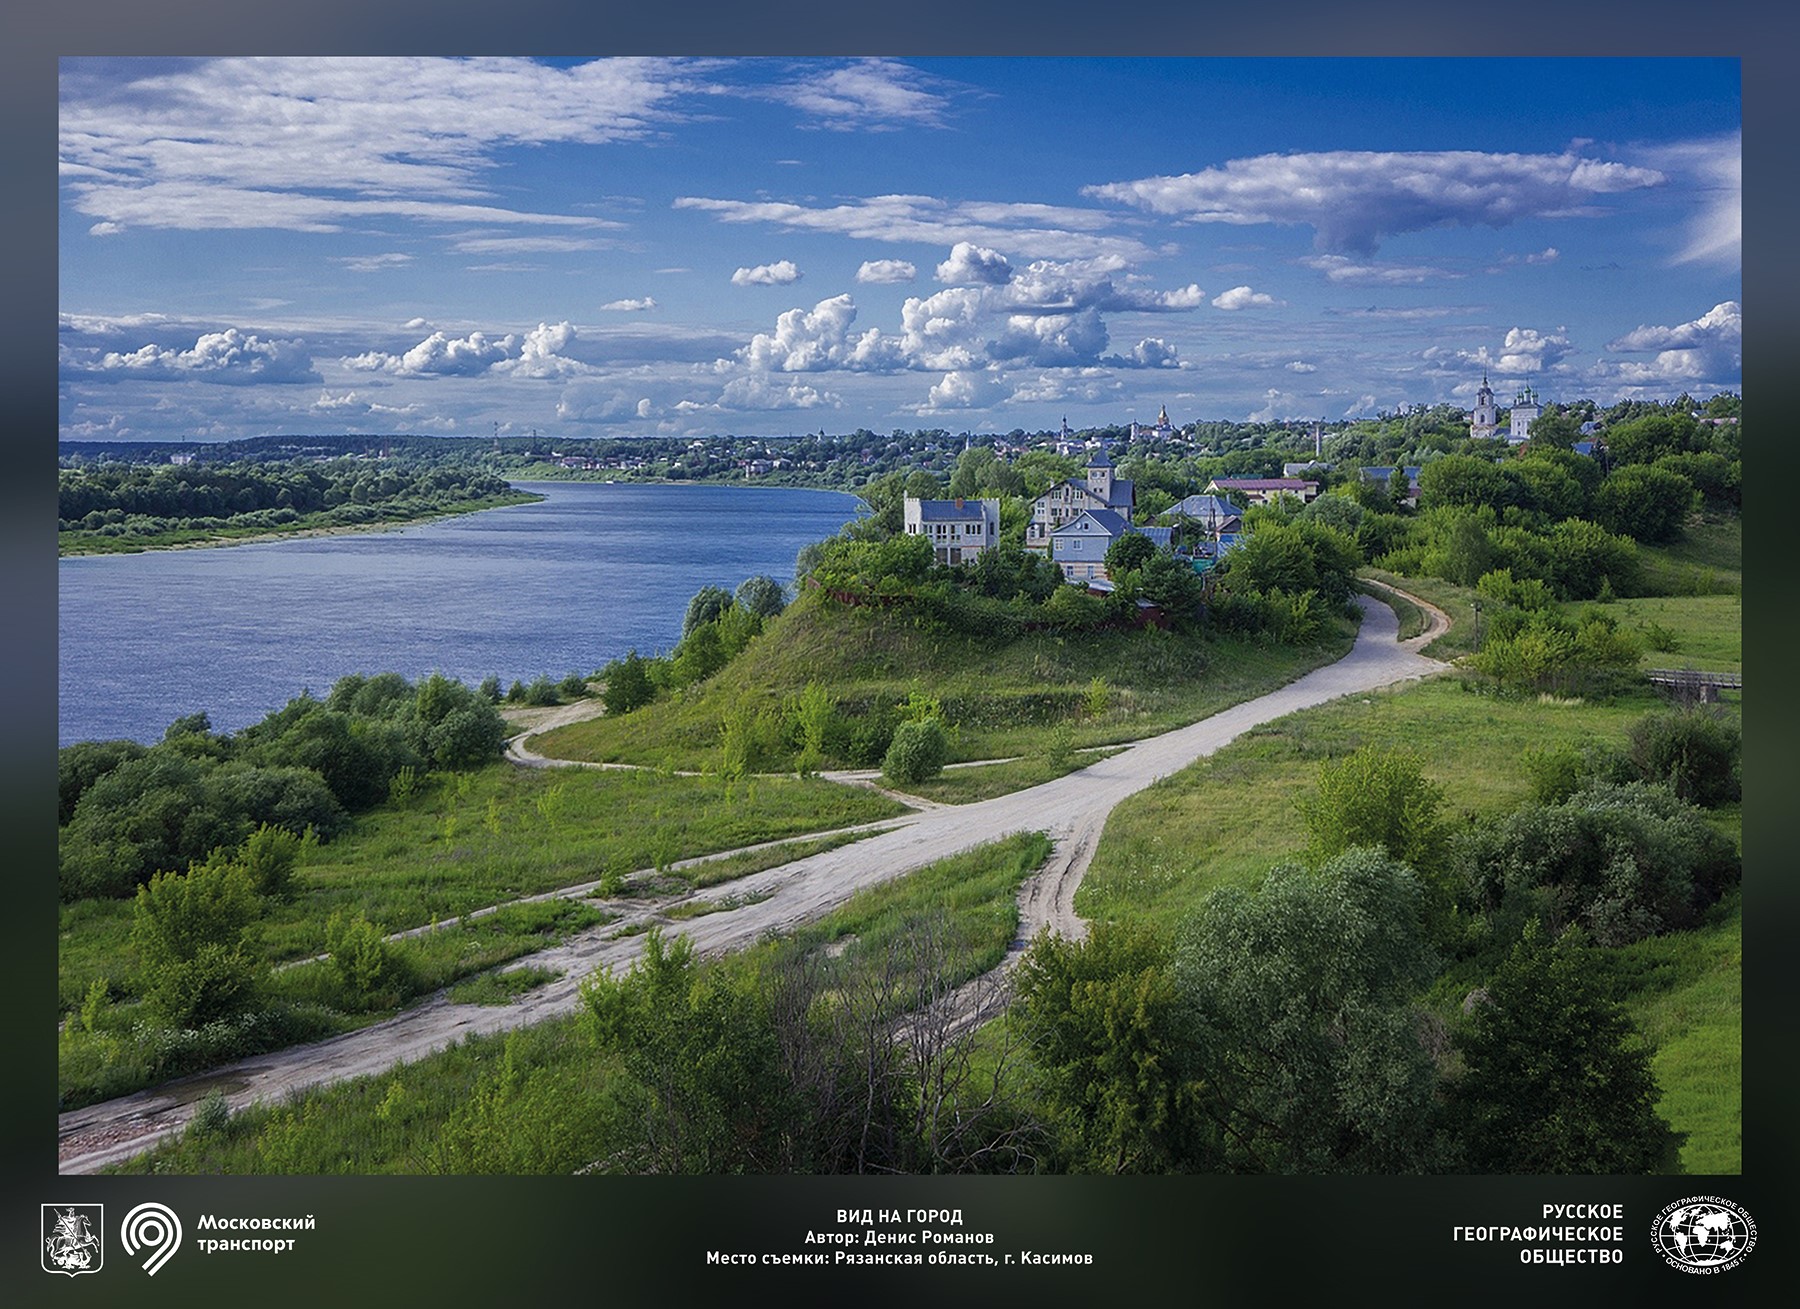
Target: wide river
(561,586)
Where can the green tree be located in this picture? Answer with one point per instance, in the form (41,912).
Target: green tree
(708,603)
(80,765)
(1103,1020)
(1377,797)
(1463,480)
(1299,1009)
(1129,553)
(810,716)
(193,936)
(627,684)
(269,857)
(1644,503)
(1554,1079)
(761,595)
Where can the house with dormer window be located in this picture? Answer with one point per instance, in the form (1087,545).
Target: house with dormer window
(1068,500)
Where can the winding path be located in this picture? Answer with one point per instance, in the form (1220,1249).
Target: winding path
(1071,809)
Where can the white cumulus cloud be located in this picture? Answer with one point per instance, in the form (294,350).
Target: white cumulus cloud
(1154,352)
(817,339)
(783,273)
(541,353)
(1708,349)
(881,271)
(231,357)
(439,355)
(970,264)
(965,389)
(630,306)
(1242,297)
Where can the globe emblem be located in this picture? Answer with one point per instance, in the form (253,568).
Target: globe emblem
(1704,1234)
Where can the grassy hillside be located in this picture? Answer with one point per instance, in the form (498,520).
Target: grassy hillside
(1003,698)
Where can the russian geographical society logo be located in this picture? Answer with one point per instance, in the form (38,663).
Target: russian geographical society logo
(153,1228)
(1703,1234)
(72,1238)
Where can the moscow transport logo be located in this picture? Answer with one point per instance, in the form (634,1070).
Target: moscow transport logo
(1703,1234)
(153,1228)
(72,1238)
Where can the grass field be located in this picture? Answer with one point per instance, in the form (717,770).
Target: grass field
(394,1123)
(466,841)
(1227,819)
(1685,993)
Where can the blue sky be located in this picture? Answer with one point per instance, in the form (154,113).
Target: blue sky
(765,246)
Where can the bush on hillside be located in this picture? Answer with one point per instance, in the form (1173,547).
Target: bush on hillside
(917,752)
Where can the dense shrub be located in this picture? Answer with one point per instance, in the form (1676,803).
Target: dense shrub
(1376,797)
(1624,861)
(1546,652)
(191,935)
(369,971)
(917,751)
(1692,751)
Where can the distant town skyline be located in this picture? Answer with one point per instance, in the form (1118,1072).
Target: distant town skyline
(617,247)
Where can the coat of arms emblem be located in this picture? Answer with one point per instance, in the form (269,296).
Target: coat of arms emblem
(72,1238)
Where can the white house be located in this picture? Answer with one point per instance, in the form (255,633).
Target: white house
(1068,500)
(959,530)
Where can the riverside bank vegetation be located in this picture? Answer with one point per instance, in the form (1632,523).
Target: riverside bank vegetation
(1346,942)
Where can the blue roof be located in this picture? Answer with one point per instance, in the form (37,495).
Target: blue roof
(946,511)
(1159,536)
(1204,507)
(1113,524)
(1099,459)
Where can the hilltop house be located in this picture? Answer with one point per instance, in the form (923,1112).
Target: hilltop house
(959,530)
(1079,547)
(1261,490)
(1213,519)
(1068,500)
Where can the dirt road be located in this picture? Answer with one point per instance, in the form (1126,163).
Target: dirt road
(1071,809)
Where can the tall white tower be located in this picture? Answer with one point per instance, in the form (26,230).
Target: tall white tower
(1484,423)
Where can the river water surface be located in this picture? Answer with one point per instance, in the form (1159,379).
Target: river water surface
(560,586)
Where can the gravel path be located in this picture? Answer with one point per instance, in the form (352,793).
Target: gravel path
(1071,809)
